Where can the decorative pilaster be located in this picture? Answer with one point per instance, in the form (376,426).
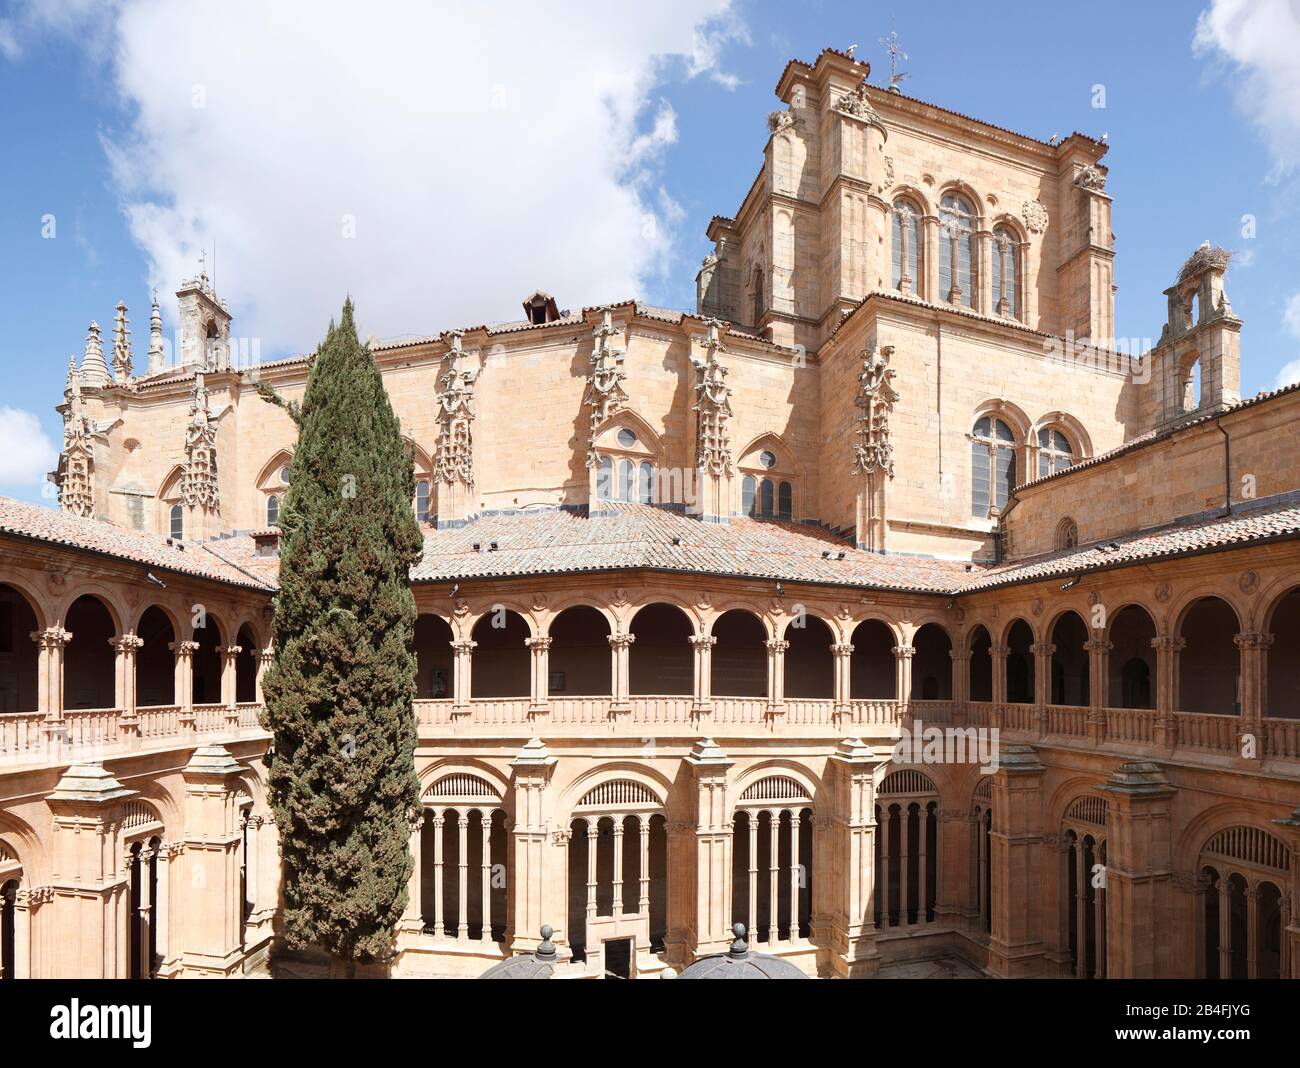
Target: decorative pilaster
(75,475)
(91,885)
(184,682)
(1140,926)
(1016,907)
(712,848)
(1098,650)
(50,644)
(714,468)
(605,394)
(211,924)
(453,474)
(851,853)
(873,453)
(229,655)
(200,490)
(1042,653)
(532,767)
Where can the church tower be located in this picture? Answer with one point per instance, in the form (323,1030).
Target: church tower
(204,324)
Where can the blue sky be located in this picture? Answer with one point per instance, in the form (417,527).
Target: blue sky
(584,157)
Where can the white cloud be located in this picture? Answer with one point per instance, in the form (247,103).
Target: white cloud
(1261,39)
(26,453)
(1291,314)
(478,152)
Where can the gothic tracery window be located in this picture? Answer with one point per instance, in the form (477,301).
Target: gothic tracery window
(956,241)
(1054,452)
(1006,264)
(993,465)
(272,510)
(176,517)
(906,250)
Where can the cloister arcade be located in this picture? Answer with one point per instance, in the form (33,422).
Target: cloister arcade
(1243,907)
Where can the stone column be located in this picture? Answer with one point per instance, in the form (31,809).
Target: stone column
(1016,941)
(125,646)
(539,705)
(851,855)
(903,675)
(703,645)
(485,857)
(796,871)
(91,885)
(843,654)
(1167,649)
(211,922)
(412,921)
(643,869)
(533,899)
(264,660)
(1254,682)
(184,683)
(1289,828)
(960,683)
(51,643)
(617,831)
(998,655)
(776,649)
(929,267)
(229,660)
(1098,679)
(462,673)
(27,901)
(1042,682)
(712,848)
(619,645)
(437,822)
(462,874)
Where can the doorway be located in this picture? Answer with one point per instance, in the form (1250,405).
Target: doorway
(618,958)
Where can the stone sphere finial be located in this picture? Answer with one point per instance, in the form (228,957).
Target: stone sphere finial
(546,951)
(740,947)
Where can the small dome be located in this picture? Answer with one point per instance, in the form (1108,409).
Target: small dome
(739,963)
(538,965)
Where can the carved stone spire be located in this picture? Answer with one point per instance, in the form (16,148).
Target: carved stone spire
(453,464)
(873,452)
(156,354)
(121,345)
(74,476)
(712,435)
(199,484)
(94,371)
(605,394)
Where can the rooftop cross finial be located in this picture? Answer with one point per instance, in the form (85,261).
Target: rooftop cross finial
(896,53)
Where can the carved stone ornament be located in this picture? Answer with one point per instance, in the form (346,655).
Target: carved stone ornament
(872,449)
(454,452)
(1248,581)
(605,394)
(1092,179)
(712,406)
(857,106)
(777,121)
(1035,216)
(199,487)
(887,178)
(1163,592)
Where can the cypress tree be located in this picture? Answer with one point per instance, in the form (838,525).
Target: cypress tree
(339,691)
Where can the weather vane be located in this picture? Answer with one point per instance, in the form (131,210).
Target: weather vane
(895,54)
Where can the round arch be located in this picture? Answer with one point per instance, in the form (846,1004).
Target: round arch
(873,673)
(20,666)
(579,662)
(739,657)
(660,659)
(502,661)
(1209,664)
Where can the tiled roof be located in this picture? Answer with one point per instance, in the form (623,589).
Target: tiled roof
(91,535)
(1150,436)
(642,536)
(1262,522)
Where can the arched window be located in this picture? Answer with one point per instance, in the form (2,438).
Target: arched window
(1067,534)
(1054,452)
(766,506)
(993,465)
(1006,261)
(956,226)
(625,480)
(177,518)
(906,249)
(605,479)
(785,501)
(748,494)
(422,501)
(272,510)
(758,296)
(645,483)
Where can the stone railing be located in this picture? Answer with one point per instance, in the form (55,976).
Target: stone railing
(1130,726)
(1215,734)
(95,733)
(1070,721)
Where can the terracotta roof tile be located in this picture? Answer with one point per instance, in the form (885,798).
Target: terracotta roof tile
(92,535)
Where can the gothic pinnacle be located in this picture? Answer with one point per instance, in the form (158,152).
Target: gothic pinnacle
(93,368)
(156,355)
(121,345)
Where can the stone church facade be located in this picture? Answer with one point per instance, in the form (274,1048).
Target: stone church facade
(879,604)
